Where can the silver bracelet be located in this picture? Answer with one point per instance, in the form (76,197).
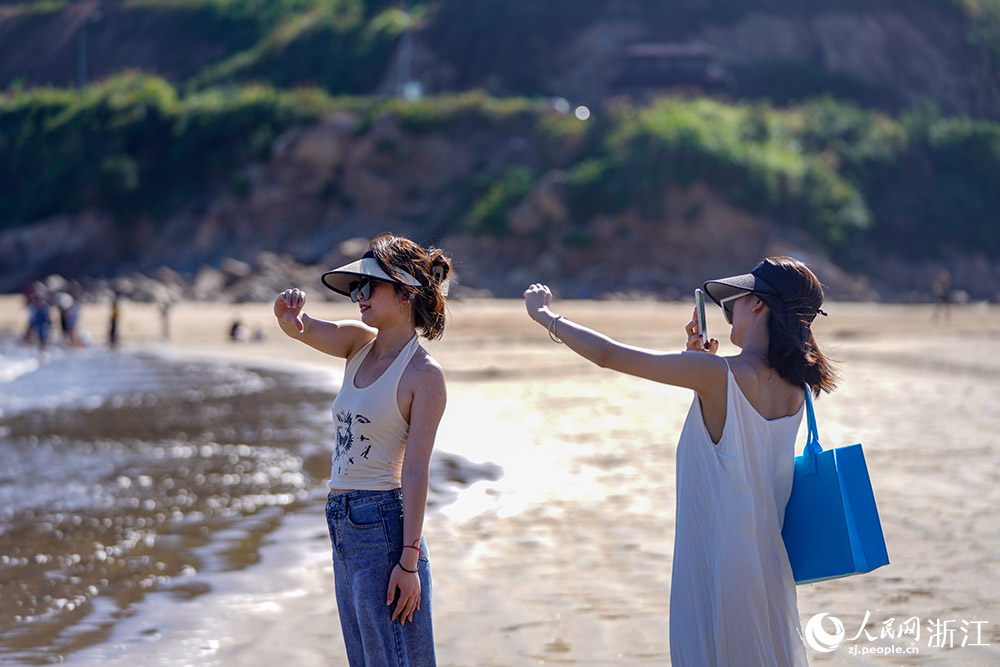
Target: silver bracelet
(552,325)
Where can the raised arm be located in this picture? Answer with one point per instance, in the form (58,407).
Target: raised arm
(339,339)
(696,368)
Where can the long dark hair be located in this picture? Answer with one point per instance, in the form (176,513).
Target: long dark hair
(792,349)
(430,266)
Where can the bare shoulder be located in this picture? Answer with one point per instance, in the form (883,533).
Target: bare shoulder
(771,395)
(357,333)
(706,372)
(746,374)
(425,368)
(423,381)
(357,328)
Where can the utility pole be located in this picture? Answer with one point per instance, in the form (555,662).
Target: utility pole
(81,47)
(406,86)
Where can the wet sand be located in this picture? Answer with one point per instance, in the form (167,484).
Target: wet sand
(566,557)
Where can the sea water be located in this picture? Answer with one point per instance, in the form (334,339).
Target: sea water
(124,474)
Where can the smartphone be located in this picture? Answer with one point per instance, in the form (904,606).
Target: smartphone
(699,300)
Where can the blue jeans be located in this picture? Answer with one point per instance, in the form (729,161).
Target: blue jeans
(366,529)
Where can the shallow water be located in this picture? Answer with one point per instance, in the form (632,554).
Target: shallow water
(123,474)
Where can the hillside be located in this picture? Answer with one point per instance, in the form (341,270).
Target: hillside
(887,53)
(860,135)
(131,176)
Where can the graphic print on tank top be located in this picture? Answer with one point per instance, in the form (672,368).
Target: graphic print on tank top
(346,421)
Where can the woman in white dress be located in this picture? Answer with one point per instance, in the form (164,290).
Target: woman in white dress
(732,594)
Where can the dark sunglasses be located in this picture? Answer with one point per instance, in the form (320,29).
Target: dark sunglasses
(361,289)
(727,305)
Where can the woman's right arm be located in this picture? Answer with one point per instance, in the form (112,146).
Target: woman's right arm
(697,368)
(338,339)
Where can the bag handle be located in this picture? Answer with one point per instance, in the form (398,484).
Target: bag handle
(812,448)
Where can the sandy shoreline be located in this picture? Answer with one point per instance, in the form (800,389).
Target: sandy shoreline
(566,558)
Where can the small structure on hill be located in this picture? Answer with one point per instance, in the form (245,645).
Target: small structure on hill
(651,68)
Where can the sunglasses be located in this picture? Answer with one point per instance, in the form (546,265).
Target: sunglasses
(361,289)
(727,305)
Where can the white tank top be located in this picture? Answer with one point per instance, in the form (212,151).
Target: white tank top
(371,433)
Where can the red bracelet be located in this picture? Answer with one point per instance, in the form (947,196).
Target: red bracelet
(407,546)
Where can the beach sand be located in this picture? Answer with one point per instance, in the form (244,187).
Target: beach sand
(566,558)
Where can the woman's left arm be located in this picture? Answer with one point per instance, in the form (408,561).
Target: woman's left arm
(426,410)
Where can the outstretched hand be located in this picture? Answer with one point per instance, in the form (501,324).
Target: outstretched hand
(537,299)
(696,341)
(288,308)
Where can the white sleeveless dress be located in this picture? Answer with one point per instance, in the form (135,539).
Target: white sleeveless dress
(732,594)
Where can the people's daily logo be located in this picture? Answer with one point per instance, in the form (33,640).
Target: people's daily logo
(892,637)
(819,638)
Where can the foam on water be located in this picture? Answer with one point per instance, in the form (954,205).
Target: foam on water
(86,378)
(16,360)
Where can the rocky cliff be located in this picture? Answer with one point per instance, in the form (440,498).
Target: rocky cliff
(326,184)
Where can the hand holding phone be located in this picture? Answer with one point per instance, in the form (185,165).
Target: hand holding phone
(699,300)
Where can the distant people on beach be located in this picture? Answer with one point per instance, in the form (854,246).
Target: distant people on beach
(30,291)
(732,593)
(39,318)
(238,333)
(113,321)
(165,305)
(942,294)
(69,314)
(386,417)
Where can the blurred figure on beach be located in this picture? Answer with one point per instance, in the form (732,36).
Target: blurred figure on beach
(29,296)
(69,314)
(386,419)
(165,305)
(732,593)
(39,318)
(238,333)
(942,294)
(113,321)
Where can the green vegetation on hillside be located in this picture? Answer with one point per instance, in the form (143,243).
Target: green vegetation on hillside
(343,46)
(137,147)
(751,154)
(850,177)
(131,144)
(984,23)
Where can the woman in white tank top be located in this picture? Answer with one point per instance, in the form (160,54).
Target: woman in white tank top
(732,594)
(386,417)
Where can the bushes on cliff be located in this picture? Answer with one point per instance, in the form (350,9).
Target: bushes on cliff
(943,192)
(131,145)
(342,46)
(750,155)
(489,214)
(851,177)
(848,176)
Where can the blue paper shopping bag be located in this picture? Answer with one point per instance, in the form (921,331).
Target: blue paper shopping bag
(831,526)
